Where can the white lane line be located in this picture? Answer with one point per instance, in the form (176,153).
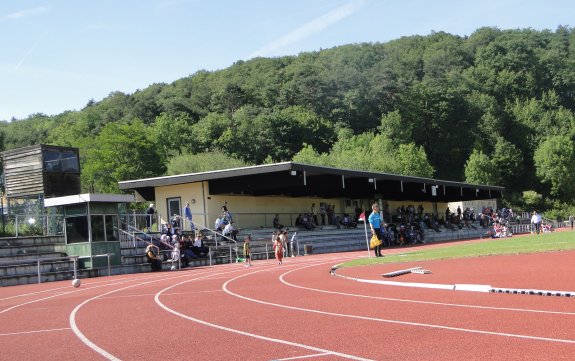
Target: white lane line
(301,357)
(35,331)
(418,301)
(93,346)
(404,323)
(248,334)
(92,283)
(111,283)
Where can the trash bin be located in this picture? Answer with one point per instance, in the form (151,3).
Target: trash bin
(307,249)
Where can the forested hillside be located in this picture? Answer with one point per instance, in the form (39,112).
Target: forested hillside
(496,107)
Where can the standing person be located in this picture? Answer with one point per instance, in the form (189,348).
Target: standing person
(322,213)
(536,222)
(278,249)
(314,215)
(571,218)
(286,241)
(294,243)
(176,224)
(247,255)
(375,225)
(150,217)
(188,215)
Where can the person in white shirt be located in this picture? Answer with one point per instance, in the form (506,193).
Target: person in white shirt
(198,247)
(175,254)
(230,232)
(294,244)
(536,222)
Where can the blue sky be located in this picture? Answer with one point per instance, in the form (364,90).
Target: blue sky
(56,55)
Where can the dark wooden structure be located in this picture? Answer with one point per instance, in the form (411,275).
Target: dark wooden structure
(40,171)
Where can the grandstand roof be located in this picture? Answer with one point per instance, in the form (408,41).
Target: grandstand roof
(298,180)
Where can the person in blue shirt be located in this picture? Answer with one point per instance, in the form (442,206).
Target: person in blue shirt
(188,215)
(375,225)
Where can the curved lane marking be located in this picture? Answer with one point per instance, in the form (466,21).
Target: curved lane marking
(417,324)
(415,301)
(93,346)
(248,334)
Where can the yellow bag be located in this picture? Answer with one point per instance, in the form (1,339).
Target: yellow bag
(374,242)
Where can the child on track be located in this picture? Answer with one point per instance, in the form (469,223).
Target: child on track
(247,256)
(279,249)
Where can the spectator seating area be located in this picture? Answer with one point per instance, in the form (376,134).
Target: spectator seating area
(19,256)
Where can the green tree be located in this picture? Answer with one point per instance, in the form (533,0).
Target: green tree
(121,152)
(173,134)
(202,162)
(554,160)
(412,160)
(479,169)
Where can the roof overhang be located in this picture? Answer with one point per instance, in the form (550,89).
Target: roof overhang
(298,180)
(88,198)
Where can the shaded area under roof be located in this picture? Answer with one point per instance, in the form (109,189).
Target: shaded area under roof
(292,179)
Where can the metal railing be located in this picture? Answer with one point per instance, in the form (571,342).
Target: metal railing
(91,258)
(38,262)
(16,225)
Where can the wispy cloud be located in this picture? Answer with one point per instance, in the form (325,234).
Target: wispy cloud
(315,26)
(30,51)
(24,13)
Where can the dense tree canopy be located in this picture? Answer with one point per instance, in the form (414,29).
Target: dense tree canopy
(496,107)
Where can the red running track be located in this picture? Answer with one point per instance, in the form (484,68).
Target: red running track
(298,311)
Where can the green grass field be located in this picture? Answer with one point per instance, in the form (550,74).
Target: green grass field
(556,241)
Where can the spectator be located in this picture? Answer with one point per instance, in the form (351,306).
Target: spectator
(571,219)
(277,222)
(322,213)
(150,212)
(175,253)
(285,242)
(536,222)
(188,215)
(230,231)
(219,224)
(298,221)
(153,259)
(307,222)
(330,212)
(294,243)
(175,224)
(198,246)
(314,214)
(165,238)
(226,214)
(347,222)
(186,244)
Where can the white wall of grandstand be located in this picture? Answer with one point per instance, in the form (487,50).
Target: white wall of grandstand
(477,205)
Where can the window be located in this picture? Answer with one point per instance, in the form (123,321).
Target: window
(70,162)
(77,229)
(52,161)
(64,161)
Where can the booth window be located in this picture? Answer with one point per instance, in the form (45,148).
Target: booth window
(61,161)
(77,229)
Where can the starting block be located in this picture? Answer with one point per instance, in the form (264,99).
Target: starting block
(406,271)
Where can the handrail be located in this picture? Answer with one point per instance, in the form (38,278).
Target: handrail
(91,257)
(203,227)
(39,260)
